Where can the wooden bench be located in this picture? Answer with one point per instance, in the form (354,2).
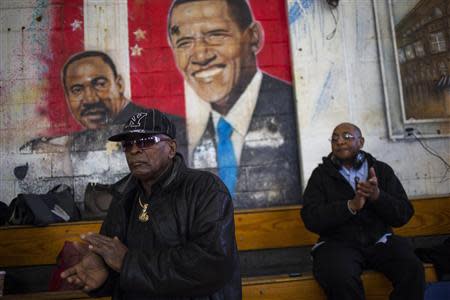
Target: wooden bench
(256,229)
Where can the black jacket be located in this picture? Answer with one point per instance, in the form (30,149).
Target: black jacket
(187,250)
(325,210)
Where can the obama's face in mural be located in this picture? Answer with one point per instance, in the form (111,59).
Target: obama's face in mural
(93,90)
(214,51)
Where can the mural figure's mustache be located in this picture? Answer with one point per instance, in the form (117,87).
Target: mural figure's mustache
(94,109)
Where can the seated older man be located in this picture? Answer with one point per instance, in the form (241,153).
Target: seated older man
(170,234)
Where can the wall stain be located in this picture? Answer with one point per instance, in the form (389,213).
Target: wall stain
(38,29)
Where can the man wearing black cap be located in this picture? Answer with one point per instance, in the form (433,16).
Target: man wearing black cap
(170,234)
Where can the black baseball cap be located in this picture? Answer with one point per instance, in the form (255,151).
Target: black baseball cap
(145,123)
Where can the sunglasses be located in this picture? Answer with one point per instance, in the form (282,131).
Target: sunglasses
(143,143)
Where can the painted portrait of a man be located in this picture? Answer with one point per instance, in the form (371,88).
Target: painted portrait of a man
(220,69)
(241,121)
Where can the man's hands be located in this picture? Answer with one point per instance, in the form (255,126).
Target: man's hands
(92,271)
(111,249)
(357,203)
(369,189)
(365,190)
(88,274)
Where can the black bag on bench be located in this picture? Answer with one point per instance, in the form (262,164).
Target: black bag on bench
(56,206)
(98,198)
(439,256)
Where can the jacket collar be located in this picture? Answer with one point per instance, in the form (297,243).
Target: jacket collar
(167,180)
(334,171)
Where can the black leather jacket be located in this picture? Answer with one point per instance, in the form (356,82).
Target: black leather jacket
(187,249)
(325,210)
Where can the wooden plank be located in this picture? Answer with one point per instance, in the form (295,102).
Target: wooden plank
(255,229)
(300,289)
(432,217)
(376,286)
(282,227)
(65,295)
(258,229)
(31,246)
(265,229)
(280,287)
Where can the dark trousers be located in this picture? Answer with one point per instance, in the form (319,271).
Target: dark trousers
(338,266)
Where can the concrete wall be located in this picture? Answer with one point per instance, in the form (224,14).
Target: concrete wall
(338,78)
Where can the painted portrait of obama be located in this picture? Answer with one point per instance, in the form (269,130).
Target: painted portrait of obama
(240,121)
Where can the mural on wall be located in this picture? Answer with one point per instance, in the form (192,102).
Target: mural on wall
(219,69)
(423,41)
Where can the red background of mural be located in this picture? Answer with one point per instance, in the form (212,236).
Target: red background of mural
(63,42)
(155,80)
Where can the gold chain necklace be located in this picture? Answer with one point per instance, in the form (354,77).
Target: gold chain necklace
(143,216)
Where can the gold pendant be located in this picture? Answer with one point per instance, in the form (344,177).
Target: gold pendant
(143,216)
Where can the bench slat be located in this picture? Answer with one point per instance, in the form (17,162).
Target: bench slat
(281,287)
(376,286)
(33,246)
(255,229)
(432,217)
(261,229)
(65,295)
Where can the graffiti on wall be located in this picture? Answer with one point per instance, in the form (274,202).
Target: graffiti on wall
(219,69)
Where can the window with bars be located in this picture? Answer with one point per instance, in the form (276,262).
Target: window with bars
(437,42)
(437,12)
(401,56)
(409,52)
(420,50)
(443,70)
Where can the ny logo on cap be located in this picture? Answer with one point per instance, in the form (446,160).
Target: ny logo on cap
(135,120)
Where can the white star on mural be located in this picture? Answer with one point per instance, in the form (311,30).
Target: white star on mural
(136,50)
(76,24)
(139,34)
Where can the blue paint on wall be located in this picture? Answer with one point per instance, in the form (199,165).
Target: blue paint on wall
(298,9)
(325,97)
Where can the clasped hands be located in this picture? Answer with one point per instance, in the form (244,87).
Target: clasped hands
(92,271)
(365,191)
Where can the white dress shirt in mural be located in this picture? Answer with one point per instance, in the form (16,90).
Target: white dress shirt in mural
(197,116)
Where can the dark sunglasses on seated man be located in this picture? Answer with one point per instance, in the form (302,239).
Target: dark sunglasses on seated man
(143,143)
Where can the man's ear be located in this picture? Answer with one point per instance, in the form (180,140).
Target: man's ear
(173,148)
(256,36)
(120,84)
(361,142)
